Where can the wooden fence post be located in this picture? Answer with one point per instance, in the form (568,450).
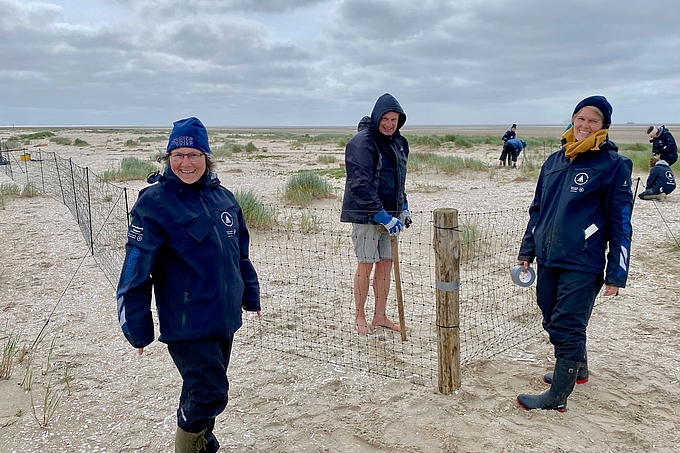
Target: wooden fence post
(446,244)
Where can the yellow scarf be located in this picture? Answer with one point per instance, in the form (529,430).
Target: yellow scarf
(573,148)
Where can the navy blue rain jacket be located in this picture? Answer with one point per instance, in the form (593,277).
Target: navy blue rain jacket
(581,213)
(509,135)
(664,145)
(190,244)
(660,179)
(376,168)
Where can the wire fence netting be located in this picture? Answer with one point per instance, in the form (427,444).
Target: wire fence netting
(306,265)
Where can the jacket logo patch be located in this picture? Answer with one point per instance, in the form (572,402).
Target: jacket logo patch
(226,219)
(581,179)
(135,233)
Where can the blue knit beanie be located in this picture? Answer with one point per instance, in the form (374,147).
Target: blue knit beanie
(189,133)
(602,105)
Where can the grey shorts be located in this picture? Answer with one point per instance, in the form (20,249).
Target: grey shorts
(371,243)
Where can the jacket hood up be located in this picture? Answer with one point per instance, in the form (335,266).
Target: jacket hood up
(386,103)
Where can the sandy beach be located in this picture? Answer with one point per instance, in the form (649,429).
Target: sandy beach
(112,400)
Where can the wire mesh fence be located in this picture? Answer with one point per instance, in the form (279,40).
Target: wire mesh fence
(306,265)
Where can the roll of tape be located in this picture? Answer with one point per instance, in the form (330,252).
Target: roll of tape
(523,277)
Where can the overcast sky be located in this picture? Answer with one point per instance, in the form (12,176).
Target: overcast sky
(324,63)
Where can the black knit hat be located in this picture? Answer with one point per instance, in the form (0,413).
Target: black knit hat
(601,103)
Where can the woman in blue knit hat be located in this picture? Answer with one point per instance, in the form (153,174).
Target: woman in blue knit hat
(188,241)
(579,233)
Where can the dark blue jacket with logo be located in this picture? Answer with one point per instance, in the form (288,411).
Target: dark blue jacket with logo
(664,145)
(509,135)
(581,213)
(190,244)
(376,168)
(660,179)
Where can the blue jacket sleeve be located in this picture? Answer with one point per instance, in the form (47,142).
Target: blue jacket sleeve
(619,211)
(145,236)
(251,290)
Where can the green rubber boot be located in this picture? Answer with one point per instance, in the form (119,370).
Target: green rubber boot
(190,442)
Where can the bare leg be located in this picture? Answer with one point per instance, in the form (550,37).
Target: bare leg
(361,280)
(381,289)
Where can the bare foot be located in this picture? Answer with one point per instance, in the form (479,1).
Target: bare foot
(362,326)
(384,321)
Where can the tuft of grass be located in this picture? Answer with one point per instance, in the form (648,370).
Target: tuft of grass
(469,238)
(8,188)
(640,159)
(34,136)
(306,186)
(8,352)
(130,168)
(250,148)
(50,404)
(131,143)
(448,164)
(61,140)
(309,223)
(29,191)
(154,138)
(326,159)
(79,142)
(335,173)
(256,214)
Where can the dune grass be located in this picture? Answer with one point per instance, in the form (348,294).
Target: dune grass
(450,165)
(306,186)
(256,214)
(131,168)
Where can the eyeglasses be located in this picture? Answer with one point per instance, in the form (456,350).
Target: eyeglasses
(179,157)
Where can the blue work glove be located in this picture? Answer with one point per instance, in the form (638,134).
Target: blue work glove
(391,224)
(405,216)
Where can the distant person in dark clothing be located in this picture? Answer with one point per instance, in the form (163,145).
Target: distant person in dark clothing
(511,151)
(660,182)
(663,144)
(509,135)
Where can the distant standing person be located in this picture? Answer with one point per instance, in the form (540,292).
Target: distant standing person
(509,135)
(663,144)
(188,242)
(579,232)
(660,182)
(376,205)
(511,150)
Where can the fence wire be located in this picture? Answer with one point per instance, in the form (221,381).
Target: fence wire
(306,266)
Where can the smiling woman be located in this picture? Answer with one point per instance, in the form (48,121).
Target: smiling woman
(189,232)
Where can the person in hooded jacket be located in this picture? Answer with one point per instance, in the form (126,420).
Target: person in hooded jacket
(579,232)
(663,144)
(188,241)
(660,182)
(376,205)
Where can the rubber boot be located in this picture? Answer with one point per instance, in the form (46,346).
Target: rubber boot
(190,442)
(564,379)
(581,376)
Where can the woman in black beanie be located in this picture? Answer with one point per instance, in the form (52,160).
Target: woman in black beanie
(579,232)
